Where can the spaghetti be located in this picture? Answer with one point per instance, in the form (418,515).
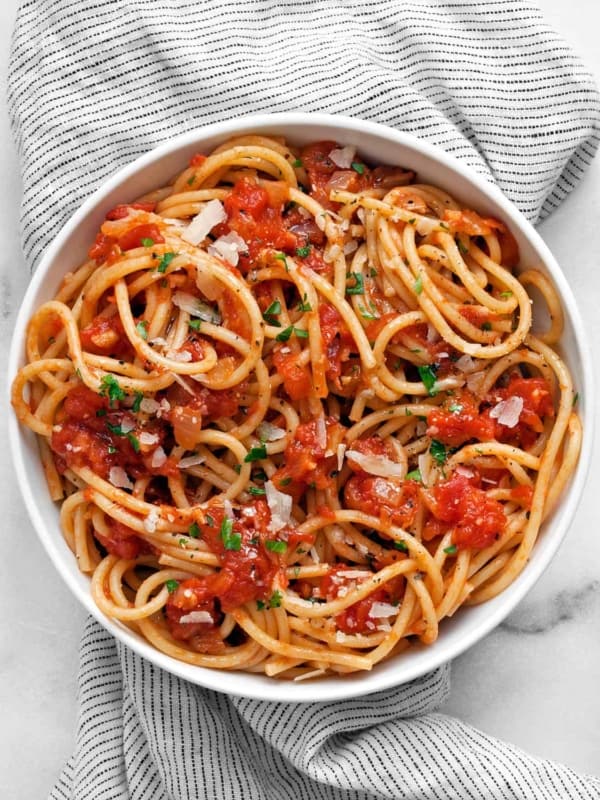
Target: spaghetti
(294,410)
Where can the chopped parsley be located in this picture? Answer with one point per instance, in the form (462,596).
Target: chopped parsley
(455,408)
(109,387)
(171,585)
(231,540)
(357,167)
(147,242)
(275,600)
(401,546)
(367,314)
(194,530)
(190,181)
(285,482)
(256,491)
(270,315)
(195,324)
(462,248)
(438,451)
(427,373)
(101,412)
(281,257)
(486,326)
(139,396)
(116,429)
(505,295)
(210,521)
(302,252)
(165,261)
(260,605)
(286,334)
(304,305)
(275,546)
(142,329)
(414,475)
(418,285)
(259,475)
(134,442)
(297,163)
(111,449)
(255,454)
(451,549)
(575,399)
(359,283)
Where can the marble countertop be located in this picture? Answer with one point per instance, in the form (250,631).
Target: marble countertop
(533,681)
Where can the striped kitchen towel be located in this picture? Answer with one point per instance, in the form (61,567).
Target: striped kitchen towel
(95,83)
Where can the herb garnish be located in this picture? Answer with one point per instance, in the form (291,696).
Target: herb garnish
(230,538)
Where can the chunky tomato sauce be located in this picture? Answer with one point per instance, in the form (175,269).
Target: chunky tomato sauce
(358,618)
(248,566)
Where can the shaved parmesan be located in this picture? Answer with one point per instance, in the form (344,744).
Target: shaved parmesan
(341,450)
(377,465)
(127,425)
(211,214)
(118,477)
(149,405)
(280,506)
(381,610)
(190,461)
(350,247)
(321,431)
(343,157)
(148,438)
(432,334)
(151,520)
(196,307)
(179,355)
(465,471)
(475,380)
(158,458)
(229,248)
(507,412)
(269,433)
(158,340)
(197,616)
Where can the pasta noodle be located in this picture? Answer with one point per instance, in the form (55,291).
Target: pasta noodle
(294,410)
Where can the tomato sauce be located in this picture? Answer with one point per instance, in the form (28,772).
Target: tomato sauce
(297,379)
(339,344)
(459,421)
(357,618)
(121,541)
(251,214)
(106,336)
(537,405)
(477,520)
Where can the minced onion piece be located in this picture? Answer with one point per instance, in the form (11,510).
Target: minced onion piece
(196,616)
(466,364)
(376,465)
(474,381)
(196,307)
(148,438)
(269,433)
(381,610)
(350,247)
(190,461)
(229,247)
(179,355)
(151,520)
(118,477)
(158,458)
(343,156)
(465,471)
(340,180)
(507,412)
(280,506)
(211,214)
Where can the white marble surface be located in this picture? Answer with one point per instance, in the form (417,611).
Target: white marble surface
(534,681)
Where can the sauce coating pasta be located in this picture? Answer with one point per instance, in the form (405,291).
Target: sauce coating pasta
(294,411)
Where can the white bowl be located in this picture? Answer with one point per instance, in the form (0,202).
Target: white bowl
(381,145)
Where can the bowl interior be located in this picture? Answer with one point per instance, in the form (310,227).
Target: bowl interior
(378,145)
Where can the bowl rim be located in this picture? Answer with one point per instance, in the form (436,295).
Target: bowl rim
(319,690)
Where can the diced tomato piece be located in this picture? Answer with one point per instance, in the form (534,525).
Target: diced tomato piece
(122,211)
(357,619)
(105,248)
(392,501)
(338,341)
(469,222)
(297,379)
(537,404)
(460,421)
(197,160)
(133,238)
(106,335)
(122,541)
(522,494)
(477,520)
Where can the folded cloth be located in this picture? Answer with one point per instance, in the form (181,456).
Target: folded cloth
(95,83)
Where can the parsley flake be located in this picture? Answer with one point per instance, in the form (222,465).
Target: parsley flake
(231,540)
(195,324)
(427,373)
(171,585)
(438,451)
(357,167)
(302,252)
(147,242)
(275,600)
(270,315)
(139,396)
(414,475)
(142,329)
(165,261)
(255,454)
(418,285)
(109,387)
(451,549)
(359,283)
(275,546)
(194,530)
